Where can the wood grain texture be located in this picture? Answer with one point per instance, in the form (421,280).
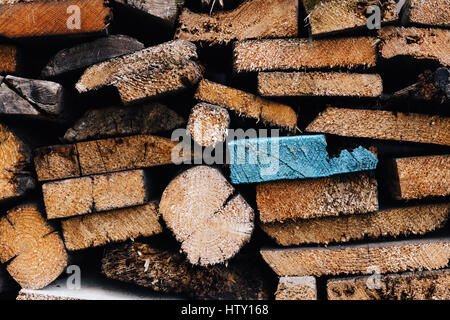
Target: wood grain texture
(340,15)
(8,59)
(89,53)
(85,195)
(300,54)
(168,272)
(33,250)
(313,198)
(247,105)
(420,177)
(423,285)
(49,18)
(252,19)
(384,125)
(114,226)
(330,84)
(415,220)
(419,43)
(386,257)
(166,10)
(296,288)
(154,71)
(297,157)
(428,12)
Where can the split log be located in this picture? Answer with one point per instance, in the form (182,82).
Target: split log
(165,10)
(90,53)
(33,98)
(314,198)
(420,177)
(419,43)
(33,250)
(9,59)
(252,19)
(424,285)
(15,157)
(148,118)
(154,71)
(339,15)
(96,193)
(48,18)
(299,54)
(247,105)
(296,288)
(427,12)
(386,257)
(330,84)
(204,212)
(384,125)
(208,124)
(169,272)
(415,220)
(118,225)
(103,156)
(298,157)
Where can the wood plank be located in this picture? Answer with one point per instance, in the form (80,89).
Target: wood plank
(49,18)
(296,288)
(147,118)
(33,250)
(252,19)
(300,54)
(427,12)
(114,226)
(313,198)
(85,195)
(418,43)
(384,125)
(166,10)
(342,15)
(424,285)
(419,177)
(103,156)
(206,215)
(387,257)
(330,84)
(415,220)
(168,272)
(247,105)
(9,59)
(297,157)
(15,157)
(153,71)
(90,53)
(208,124)
(32,98)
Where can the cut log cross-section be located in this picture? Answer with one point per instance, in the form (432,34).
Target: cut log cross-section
(313,198)
(169,272)
(330,84)
(48,18)
(165,10)
(338,15)
(8,59)
(420,177)
(423,285)
(34,251)
(386,257)
(299,54)
(427,12)
(163,69)
(15,157)
(296,288)
(118,225)
(414,220)
(80,196)
(247,105)
(204,212)
(251,20)
(386,125)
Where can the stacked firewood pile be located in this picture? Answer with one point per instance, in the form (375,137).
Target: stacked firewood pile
(247,149)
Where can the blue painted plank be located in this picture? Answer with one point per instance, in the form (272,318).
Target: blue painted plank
(298,157)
